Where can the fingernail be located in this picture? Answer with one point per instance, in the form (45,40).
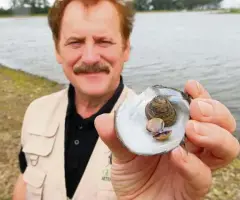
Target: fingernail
(206,109)
(199,86)
(194,126)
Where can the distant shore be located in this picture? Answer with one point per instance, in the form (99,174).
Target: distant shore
(22,16)
(19,88)
(230,11)
(218,11)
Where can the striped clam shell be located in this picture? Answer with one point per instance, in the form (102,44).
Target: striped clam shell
(160,107)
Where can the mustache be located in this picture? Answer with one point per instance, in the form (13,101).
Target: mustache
(94,68)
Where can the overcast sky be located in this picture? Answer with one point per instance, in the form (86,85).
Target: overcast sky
(226,3)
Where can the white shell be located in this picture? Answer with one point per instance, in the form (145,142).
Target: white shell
(130,122)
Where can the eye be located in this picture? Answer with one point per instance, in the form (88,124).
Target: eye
(104,43)
(75,44)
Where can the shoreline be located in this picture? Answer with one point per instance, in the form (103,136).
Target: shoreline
(22,16)
(19,88)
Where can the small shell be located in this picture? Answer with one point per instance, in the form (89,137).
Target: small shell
(156,126)
(131,121)
(163,135)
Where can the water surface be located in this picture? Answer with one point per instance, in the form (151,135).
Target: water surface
(201,46)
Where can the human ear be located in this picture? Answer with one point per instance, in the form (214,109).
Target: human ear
(126,52)
(58,56)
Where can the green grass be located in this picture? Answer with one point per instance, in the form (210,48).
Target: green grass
(234,10)
(230,11)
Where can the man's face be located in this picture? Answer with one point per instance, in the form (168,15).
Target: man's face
(91,48)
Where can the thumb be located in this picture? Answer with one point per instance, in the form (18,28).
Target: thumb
(196,175)
(105,127)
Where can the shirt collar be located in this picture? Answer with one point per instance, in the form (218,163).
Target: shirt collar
(107,107)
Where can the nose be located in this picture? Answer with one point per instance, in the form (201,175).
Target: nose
(90,56)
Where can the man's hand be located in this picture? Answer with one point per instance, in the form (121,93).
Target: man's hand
(176,175)
(19,192)
(210,131)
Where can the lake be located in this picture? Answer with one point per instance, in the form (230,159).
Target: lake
(167,49)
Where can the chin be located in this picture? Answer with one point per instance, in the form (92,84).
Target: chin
(94,91)
(94,84)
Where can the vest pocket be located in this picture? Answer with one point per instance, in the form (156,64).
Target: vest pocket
(39,145)
(34,179)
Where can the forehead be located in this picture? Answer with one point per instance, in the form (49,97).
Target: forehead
(101,17)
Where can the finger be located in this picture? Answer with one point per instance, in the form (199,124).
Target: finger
(212,111)
(105,127)
(196,174)
(196,90)
(190,147)
(221,146)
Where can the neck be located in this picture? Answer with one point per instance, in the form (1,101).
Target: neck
(88,105)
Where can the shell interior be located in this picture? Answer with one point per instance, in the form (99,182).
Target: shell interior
(130,122)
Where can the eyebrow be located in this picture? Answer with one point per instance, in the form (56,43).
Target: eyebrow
(102,38)
(82,39)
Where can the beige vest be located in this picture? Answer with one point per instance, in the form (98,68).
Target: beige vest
(43,144)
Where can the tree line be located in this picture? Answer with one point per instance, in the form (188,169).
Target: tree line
(26,7)
(42,6)
(144,5)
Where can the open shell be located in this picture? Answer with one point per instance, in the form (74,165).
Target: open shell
(131,120)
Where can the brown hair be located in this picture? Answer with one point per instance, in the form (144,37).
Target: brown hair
(56,12)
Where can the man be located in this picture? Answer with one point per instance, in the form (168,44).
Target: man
(62,155)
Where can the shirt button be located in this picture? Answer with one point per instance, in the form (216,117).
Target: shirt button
(80,127)
(76,142)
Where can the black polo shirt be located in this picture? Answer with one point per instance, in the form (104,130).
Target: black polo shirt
(80,139)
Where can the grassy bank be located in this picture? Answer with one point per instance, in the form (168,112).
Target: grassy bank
(22,16)
(18,89)
(219,11)
(230,11)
